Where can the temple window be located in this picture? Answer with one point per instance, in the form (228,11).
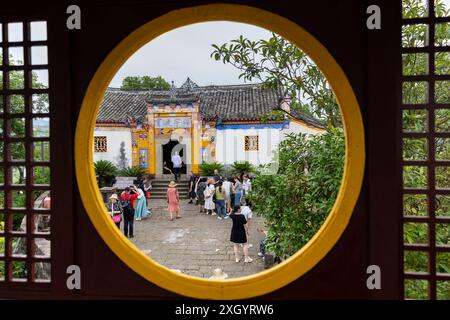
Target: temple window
(251,143)
(100,144)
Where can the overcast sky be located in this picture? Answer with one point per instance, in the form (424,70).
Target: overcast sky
(185,52)
(174,55)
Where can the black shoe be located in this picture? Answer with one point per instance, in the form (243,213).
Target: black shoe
(131,236)
(190,201)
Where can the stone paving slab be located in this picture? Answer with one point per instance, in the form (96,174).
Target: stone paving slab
(197,243)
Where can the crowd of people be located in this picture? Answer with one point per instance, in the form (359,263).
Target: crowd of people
(217,195)
(131,205)
(223,197)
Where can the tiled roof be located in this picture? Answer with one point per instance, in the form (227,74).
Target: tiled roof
(117,105)
(231,103)
(308,119)
(237,103)
(166,98)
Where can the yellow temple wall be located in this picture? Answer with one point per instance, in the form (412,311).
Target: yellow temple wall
(156,135)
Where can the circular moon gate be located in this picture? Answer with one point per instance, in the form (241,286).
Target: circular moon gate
(290,269)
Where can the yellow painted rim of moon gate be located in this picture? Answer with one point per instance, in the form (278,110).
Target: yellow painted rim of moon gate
(308,256)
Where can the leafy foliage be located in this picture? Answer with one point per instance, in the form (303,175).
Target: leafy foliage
(275,115)
(207,168)
(297,200)
(41,175)
(239,168)
(145,83)
(417,149)
(105,172)
(17,105)
(19,270)
(133,172)
(19,200)
(279,64)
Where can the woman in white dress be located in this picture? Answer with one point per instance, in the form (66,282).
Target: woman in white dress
(209,192)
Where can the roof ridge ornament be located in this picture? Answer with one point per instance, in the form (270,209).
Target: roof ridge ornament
(189,85)
(172,90)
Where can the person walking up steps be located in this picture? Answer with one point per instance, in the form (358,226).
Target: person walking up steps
(166,169)
(177,164)
(239,233)
(173,199)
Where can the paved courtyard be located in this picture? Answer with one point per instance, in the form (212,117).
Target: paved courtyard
(197,243)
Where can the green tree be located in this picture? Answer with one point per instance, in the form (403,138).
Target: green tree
(296,201)
(280,65)
(17,106)
(145,83)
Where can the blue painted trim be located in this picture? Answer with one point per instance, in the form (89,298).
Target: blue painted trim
(251,126)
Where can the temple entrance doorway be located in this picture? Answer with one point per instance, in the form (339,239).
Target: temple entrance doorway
(170,148)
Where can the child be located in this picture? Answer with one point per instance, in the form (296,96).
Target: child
(173,199)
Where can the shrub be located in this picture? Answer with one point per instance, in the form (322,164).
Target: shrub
(19,199)
(296,201)
(105,172)
(133,172)
(239,168)
(207,168)
(41,175)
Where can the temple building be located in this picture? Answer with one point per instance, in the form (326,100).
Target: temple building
(202,123)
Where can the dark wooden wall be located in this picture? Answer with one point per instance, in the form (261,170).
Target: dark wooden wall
(371,61)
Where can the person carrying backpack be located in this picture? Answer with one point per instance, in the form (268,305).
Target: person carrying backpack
(199,189)
(126,202)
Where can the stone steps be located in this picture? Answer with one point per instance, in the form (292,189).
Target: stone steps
(159,188)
